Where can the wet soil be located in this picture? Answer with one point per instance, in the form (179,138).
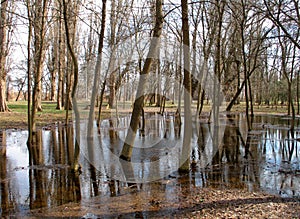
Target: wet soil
(186,202)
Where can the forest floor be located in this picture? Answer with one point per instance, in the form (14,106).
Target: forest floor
(196,203)
(50,117)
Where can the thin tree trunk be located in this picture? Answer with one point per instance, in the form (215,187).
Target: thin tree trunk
(142,128)
(245,75)
(139,101)
(298,95)
(75,164)
(112,76)
(39,46)
(29,123)
(53,72)
(201,103)
(157,95)
(101,103)
(20,89)
(97,72)
(186,148)
(291,94)
(179,78)
(250,99)
(290,101)
(61,63)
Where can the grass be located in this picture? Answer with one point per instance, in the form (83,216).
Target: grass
(19,107)
(262,109)
(17,118)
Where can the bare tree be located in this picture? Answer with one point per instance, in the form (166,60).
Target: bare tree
(61,68)
(4,49)
(53,53)
(139,101)
(186,150)
(90,49)
(29,87)
(285,14)
(112,45)
(118,31)
(69,79)
(39,21)
(97,71)
(66,13)
(247,54)
(288,56)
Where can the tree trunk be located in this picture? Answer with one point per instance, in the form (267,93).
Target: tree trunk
(3,103)
(186,147)
(61,62)
(101,102)
(53,70)
(298,95)
(139,101)
(157,95)
(3,55)
(75,163)
(250,99)
(29,123)
(21,89)
(112,91)
(39,27)
(179,80)
(112,62)
(97,72)
(246,79)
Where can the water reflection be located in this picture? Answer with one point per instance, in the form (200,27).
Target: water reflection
(40,175)
(265,159)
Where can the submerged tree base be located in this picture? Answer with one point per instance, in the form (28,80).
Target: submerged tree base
(123,157)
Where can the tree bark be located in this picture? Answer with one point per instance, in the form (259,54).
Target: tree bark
(29,123)
(101,102)
(61,62)
(245,67)
(52,65)
(112,62)
(39,27)
(139,101)
(186,148)
(75,163)
(3,55)
(97,72)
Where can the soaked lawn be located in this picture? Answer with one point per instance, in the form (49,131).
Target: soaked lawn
(234,173)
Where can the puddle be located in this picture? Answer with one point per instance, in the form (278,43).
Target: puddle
(267,159)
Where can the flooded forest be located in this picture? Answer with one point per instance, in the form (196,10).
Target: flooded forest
(149,109)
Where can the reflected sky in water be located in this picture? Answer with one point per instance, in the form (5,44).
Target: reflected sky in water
(266,159)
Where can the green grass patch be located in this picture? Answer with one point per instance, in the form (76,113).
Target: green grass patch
(20,106)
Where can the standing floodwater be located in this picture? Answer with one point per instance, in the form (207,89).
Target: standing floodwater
(266,159)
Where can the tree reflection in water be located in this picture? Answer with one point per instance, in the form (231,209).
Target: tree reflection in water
(265,159)
(4,174)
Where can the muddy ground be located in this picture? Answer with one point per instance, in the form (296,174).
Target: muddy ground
(194,203)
